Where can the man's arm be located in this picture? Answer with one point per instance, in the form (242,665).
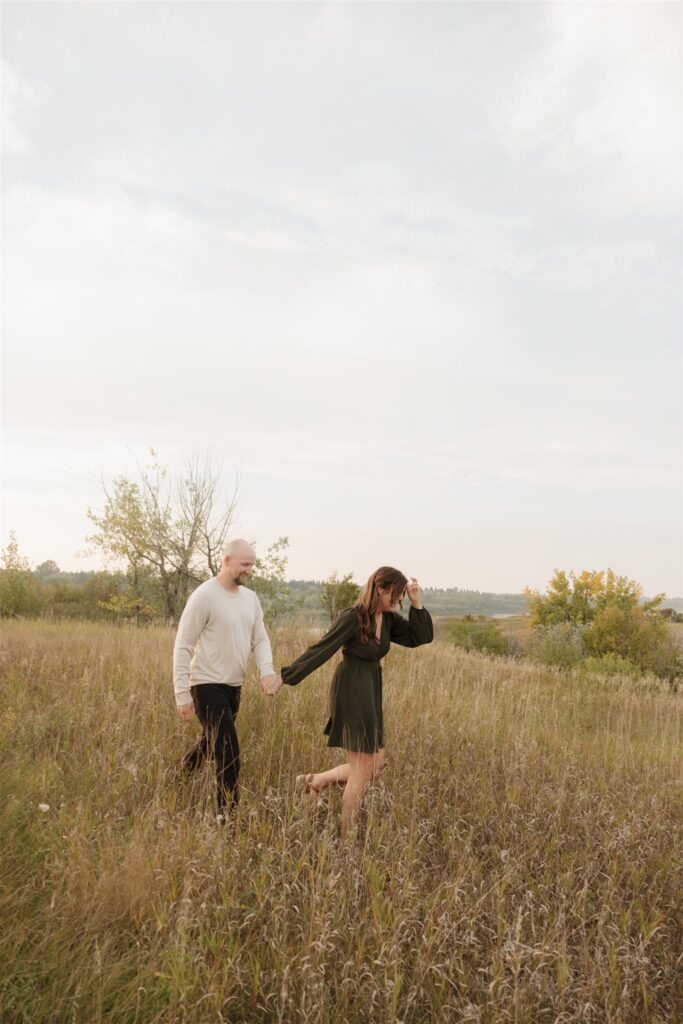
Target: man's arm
(193,620)
(260,646)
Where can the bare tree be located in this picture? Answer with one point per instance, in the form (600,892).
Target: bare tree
(175,527)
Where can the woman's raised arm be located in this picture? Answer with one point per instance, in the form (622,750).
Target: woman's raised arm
(418,630)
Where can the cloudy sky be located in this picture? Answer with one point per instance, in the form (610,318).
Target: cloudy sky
(413,268)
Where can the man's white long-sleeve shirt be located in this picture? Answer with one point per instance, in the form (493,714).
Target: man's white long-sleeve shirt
(217,631)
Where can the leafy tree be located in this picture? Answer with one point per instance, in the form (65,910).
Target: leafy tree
(633,633)
(579,598)
(269,581)
(129,607)
(20,591)
(46,569)
(569,598)
(134,598)
(174,528)
(338,594)
(602,615)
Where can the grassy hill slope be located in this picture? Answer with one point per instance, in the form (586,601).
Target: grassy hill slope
(518,860)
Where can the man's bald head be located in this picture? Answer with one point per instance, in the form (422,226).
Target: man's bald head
(238,547)
(239,560)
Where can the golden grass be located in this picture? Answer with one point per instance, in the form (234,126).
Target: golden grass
(519,861)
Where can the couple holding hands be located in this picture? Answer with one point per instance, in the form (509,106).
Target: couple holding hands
(223,623)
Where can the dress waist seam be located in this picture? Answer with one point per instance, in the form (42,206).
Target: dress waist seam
(364,661)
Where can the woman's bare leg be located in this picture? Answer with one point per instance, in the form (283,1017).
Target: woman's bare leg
(364,768)
(318,781)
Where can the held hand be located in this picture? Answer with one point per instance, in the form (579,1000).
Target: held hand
(270,685)
(185,712)
(414,593)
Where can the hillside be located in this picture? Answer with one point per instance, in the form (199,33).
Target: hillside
(517,862)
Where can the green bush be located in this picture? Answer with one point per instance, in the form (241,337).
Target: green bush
(477,634)
(610,665)
(633,634)
(21,595)
(560,645)
(601,615)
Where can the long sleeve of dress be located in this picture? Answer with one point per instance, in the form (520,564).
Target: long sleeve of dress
(342,629)
(414,632)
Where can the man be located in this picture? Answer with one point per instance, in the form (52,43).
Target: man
(221,624)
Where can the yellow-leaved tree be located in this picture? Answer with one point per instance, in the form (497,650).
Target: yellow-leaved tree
(603,617)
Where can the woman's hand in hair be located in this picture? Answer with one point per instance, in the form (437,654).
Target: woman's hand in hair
(414,593)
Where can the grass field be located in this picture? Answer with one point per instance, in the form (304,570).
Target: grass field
(519,860)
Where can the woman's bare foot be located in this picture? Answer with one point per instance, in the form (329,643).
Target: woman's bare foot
(304,783)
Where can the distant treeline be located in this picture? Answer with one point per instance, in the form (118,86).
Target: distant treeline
(47,590)
(74,589)
(306,595)
(452,601)
(440,601)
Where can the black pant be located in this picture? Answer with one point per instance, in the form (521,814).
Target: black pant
(216,706)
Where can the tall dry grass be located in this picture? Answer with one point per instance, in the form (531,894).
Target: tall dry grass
(519,860)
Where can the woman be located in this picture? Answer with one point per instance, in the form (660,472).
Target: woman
(364,633)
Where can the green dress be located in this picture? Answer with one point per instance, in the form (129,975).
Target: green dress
(356,721)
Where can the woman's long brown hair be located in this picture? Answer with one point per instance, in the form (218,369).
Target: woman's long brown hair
(366,605)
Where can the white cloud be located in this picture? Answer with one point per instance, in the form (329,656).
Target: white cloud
(590,266)
(20,98)
(600,105)
(330,22)
(143,310)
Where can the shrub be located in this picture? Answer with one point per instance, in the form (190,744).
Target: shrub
(599,614)
(560,644)
(477,634)
(633,634)
(610,665)
(21,594)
